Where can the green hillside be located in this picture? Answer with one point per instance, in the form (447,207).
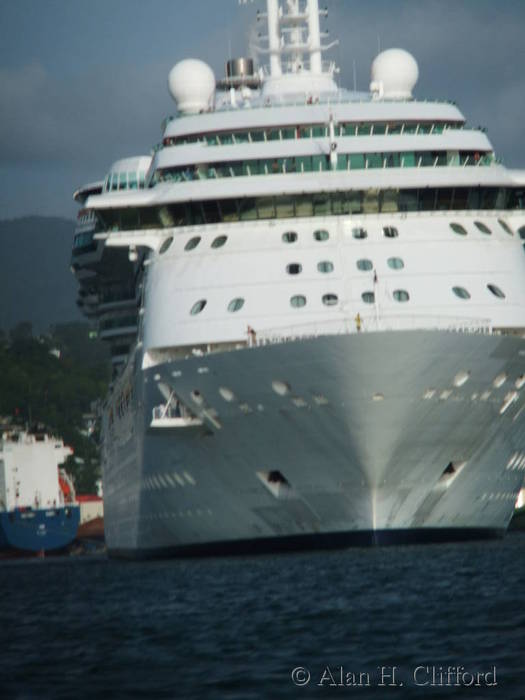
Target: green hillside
(36,386)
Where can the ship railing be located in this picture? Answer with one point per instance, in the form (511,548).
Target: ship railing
(341,97)
(369,324)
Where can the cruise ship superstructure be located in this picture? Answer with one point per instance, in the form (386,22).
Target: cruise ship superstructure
(315,300)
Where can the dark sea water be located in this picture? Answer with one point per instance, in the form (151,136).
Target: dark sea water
(88,627)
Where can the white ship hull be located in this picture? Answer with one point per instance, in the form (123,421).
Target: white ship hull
(365,438)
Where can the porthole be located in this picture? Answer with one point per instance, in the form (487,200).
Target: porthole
(298,301)
(459,229)
(504,225)
(325,266)
(198,307)
(330,299)
(401,295)
(197,397)
(521,232)
(227,394)
(364,265)
(368,297)
(359,233)
(294,268)
(482,227)
(281,388)
(395,263)
(192,243)
(165,245)
(461,292)
(321,235)
(235,304)
(496,291)
(219,241)
(289,237)
(390,232)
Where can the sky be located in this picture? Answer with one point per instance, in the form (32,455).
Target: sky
(84,83)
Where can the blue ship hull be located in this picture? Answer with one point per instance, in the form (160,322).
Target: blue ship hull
(38,530)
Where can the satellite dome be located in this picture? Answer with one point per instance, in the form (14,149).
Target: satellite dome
(192,85)
(394,74)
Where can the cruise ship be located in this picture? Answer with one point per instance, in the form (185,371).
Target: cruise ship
(315,304)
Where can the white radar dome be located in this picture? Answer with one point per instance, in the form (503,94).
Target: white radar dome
(394,74)
(192,85)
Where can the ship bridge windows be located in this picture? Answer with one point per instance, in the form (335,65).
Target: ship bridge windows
(198,307)
(347,202)
(496,291)
(482,227)
(124,180)
(364,265)
(461,292)
(294,268)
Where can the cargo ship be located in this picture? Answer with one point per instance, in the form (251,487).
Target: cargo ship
(38,510)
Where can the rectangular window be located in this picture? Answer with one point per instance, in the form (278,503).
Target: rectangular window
(357,161)
(355,202)
(389,201)
(229,209)
(304,164)
(248,209)
(374,160)
(371,201)
(321,204)
(444,198)
(304,205)
(285,207)
(408,200)
(319,163)
(266,208)
(408,159)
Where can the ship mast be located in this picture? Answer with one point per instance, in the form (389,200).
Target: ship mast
(294,38)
